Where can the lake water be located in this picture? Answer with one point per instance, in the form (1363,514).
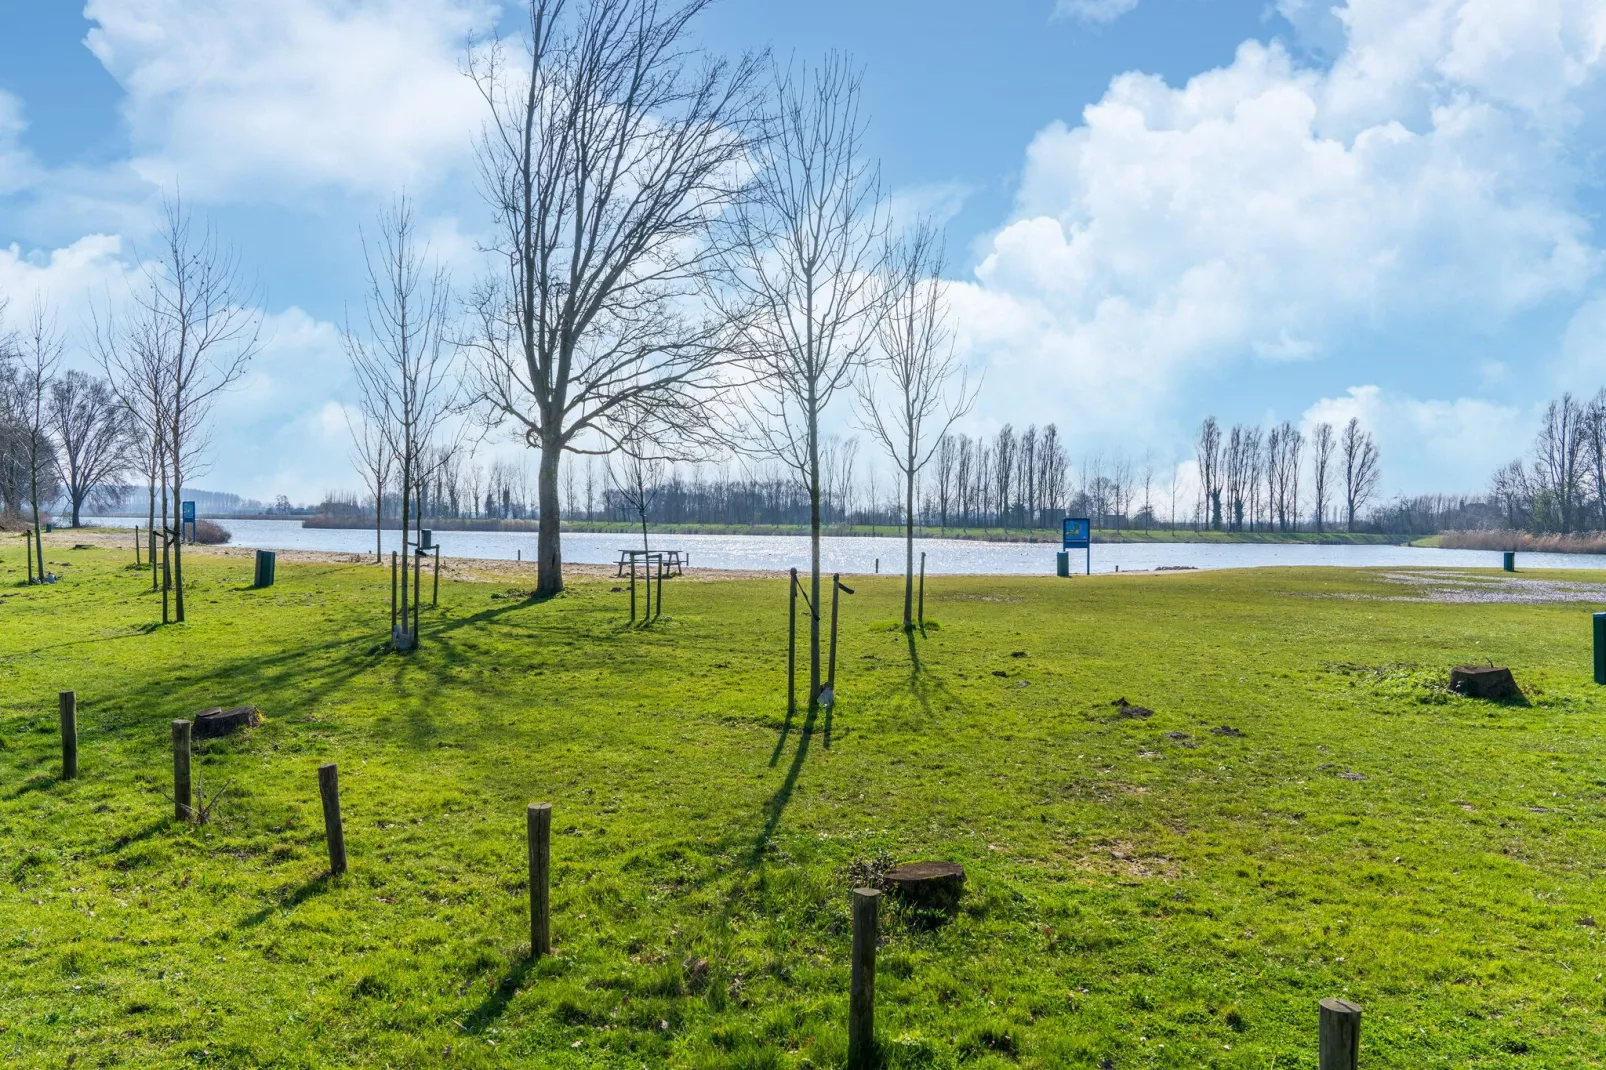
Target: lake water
(860,555)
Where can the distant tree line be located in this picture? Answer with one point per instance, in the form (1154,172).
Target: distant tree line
(1560,487)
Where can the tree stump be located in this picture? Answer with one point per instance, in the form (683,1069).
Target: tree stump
(220,722)
(1483,681)
(932,885)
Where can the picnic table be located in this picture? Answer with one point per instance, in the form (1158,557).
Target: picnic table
(672,562)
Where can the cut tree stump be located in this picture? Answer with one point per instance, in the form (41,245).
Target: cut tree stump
(1483,681)
(220,722)
(935,885)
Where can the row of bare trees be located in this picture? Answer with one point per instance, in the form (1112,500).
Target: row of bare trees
(1561,486)
(1250,479)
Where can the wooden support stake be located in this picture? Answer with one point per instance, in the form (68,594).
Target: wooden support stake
(922,588)
(836,593)
(791,647)
(182,810)
(1339,1036)
(861,992)
(435,594)
(660,611)
(393,592)
(632,588)
(69,734)
(137,562)
(418,564)
(539,826)
(27,546)
(333,830)
(152,556)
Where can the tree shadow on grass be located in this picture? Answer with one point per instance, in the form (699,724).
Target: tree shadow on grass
(313,887)
(37,782)
(493,1006)
(776,807)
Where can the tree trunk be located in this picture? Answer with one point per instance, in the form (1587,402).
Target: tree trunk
(548,547)
(909,548)
(814,550)
(406,519)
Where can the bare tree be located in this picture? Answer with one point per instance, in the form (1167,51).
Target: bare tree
(1594,433)
(403,360)
(39,354)
(1322,443)
(1361,474)
(371,451)
(924,390)
(1208,449)
(605,162)
(802,266)
(1003,473)
(1148,487)
(92,436)
(193,331)
(947,463)
(1559,453)
(639,475)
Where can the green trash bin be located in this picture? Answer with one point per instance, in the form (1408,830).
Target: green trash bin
(1062,564)
(265,562)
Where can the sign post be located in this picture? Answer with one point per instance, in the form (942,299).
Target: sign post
(1078,535)
(187,526)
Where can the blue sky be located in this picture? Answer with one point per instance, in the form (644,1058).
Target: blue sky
(1155,208)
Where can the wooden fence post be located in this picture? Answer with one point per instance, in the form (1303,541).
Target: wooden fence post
(152,556)
(632,588)
(861,992)
(660,611)
(1339,1035)
(27,545)
(393,592)
(137,562)
(538,820)
(435,594)
(418,564)
(791,646)
(69,734)
(333,831)
(836,593)
(182,810)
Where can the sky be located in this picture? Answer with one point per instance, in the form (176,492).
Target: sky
(1155,210)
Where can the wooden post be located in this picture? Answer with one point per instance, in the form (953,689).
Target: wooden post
(182,810)
(393,592)
(69,734)
(333,830)
(922,588)
(152,556)
(27,546)
(632,588)
(137,562)
(861,991)
(538,821)
(660,585)
(830,676)
(1339,1036)
(435,594)
(791,647)
(418,563)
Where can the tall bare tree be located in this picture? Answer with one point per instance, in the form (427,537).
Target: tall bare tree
(1208,450)
(1323,443)
(93,438)
(375,461)
(1361,473)
(403,358)
(605,158)
(803,256)
(1559,460)
(920,389)
(39,354)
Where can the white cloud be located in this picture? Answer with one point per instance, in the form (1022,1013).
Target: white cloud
(239,99)
(18,170)
(1094,10)
(1446,445)
(1269,212)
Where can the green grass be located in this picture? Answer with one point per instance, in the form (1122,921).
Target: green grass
(1129,898)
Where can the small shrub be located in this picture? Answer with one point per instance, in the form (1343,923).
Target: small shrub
(210,533)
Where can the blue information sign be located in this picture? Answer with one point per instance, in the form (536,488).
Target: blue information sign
(186,527)
(189,511)
(1078,534)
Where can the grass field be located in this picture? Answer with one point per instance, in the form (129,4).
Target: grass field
(1142,892)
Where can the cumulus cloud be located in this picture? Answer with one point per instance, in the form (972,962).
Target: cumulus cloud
(239,99)
(18,169)
(1094,10)
(1447,444)
(1269,211)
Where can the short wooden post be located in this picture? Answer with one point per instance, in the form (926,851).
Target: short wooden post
(152,556)
(182,810)
(393,592)
(836,593)
(632,588)
(791,646)
(861,992)
(538,821)
(1339,1036)
(1600,648)
(137,562)
(922,588)
(435,593)
(27,546)
(333,831)
(418,564)
(660,611)
(69,734)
